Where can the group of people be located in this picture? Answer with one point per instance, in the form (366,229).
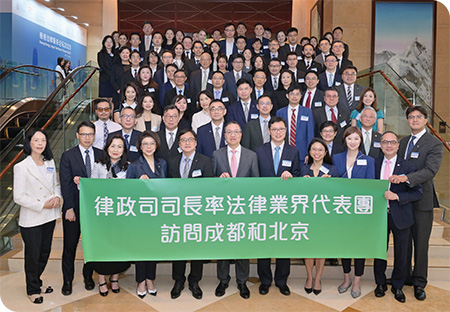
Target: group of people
(232,124)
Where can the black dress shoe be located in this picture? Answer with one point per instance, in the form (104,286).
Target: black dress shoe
(197,293)
(36,299)
(419,293)
(244,291)
(89,283)
(264,289)
(66,290)
(284,289)
(220,290)
(380,290)
(176,290)
(398,294)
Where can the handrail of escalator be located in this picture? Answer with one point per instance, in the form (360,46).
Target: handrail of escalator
(379,71)
(15,69)
(13,161)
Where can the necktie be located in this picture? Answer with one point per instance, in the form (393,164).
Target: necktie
(333,116)
(307,64)
(88,164)
(276,159)
(387,170)
(292,49)
(188,54)
(126,136)
(237,77)
(147,43)
(410,146)
(105,133)
(233,165)
(330,80)
(367,140)
(217,95)
(275,83)
(135,73)
(245,111)
(170,140)
(180,92)
(293,130)
(186,168)
(196,62)
(259,94)
(266,137)
(205,80)
(308,100)
(349,96)
(217,138)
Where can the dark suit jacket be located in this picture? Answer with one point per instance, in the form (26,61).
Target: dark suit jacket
(375,149)
(230,81)
(226,97)
(344,64)
(117,70)
(264,48)
(190,65)
(206,144)
(306,170)
(315,66)
(235,112)
(248,163)
(401,210)
(105,62)
(72,165)
(188,93)
(284,51)
(289,161)
(164,152)
(266,92)
(252,135)
(279,100)
(200,162)
(223,46)
(140,166)
(428,162)
(323,80)
(316,101)
(159,76)
(359,171)
(195,81)
(268,85)
(127,77)
(338,147)
(133,153)
(342,91)
(343,120)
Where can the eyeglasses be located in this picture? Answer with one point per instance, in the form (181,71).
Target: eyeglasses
(418,117)
(88,135)
(171,116)
(386,142)
(180,77)
(217,109)
(233,132)
(190,140)
(278,130)
(128,116)
(327,131)
(103,109)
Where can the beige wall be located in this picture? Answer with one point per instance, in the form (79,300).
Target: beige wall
(442,69)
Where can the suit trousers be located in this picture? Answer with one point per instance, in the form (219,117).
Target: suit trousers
(37,245)
(72,232)
(419,238)
(145,270)
(179,268)
(401,239)
(282,271)
(359,266)
(242,267)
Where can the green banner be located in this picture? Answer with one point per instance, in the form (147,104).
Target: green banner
(243,218)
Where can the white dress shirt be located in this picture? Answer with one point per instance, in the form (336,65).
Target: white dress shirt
(238,155)
(328,111)
(99,131)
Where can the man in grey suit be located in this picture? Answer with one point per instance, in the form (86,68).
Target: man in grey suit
(349,91)
(371,139)
(425,152)
(234,161)
(256,131)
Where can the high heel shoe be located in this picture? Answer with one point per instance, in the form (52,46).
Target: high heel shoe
(116,291)
(309,290)
(152,292)
(140,294)
(103,294)
(36,299)
(342,289)
(317,291)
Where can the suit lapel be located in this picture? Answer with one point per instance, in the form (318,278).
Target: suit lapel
(242,162)
(79,159)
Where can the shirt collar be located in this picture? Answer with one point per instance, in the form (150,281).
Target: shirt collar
(238,149)
(420,134)
(393,160)
(273,146)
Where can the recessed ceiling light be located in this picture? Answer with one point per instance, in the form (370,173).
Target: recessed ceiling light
(86,24)
(74,17)
(47,0)
(61,9)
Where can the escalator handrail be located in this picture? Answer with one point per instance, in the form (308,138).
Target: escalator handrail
(379,71)
(55,114)
(6,72)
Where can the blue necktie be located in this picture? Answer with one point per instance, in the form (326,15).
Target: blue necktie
(259,93)
(88,164)
(217,95)
(410,146)
(126,136)
(330,80)
(276,159)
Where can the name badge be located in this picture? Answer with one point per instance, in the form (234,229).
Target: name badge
(196,173)
(154,128)
(266,47)
(151,90)
(286,163)
(133,148)
(414,155)
(318,104)
(314,69)
(337,83)
(358,117)
(225,99)
(283,63)
(361,162)
(324,169)
(304,118)
(179,150)
(357,98)
(299,58)
(343,124)
(188,100)
(301,80)
(209,81)
(376,144)
(121,175)
(50,169)
(254,116)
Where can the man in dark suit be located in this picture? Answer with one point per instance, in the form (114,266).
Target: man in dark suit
(218,91)
(273,81)
(332,111)
(400,215)
(259,32)
(131,74)
(157,40)
(188,164)
(291,46)
(292,63)
(76,162)
(308,62)
(256,131)
(135,44)
(168,135)
(312,98)
(328,132)
(187,45)
(424,151)
(349,91)
(276,159)
(228,45)
(338,32)
(330,77)
(128,121)
(273,51)
(324,47)
(193,64)
(338,49)
(146,43)
(210,137)
(233,76)
(244,109)
(371,144)
(160,75)
(181,88)
(234,161)
(259,79)
(201,78)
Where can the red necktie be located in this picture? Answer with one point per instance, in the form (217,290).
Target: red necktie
(333,116)
(293,130)
(308,100)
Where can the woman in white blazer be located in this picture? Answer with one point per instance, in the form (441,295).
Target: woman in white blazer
(37,191)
